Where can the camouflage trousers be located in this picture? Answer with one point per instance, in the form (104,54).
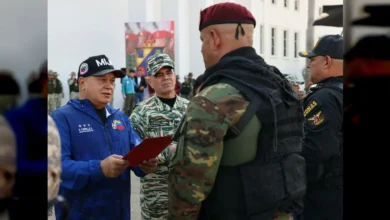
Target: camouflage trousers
(73,95)
(53,102)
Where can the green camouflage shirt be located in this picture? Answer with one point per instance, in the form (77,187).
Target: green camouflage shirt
(199,150)
(153,118)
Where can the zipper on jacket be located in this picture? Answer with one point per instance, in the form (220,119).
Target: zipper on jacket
(108,138)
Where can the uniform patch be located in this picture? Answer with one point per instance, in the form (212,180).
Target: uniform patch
(309,108)
(317,119)
(83,68)
(116,124)
(159,123)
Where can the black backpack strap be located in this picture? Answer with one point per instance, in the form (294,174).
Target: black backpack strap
(253,107)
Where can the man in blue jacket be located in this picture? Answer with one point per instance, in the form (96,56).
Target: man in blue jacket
(94,139)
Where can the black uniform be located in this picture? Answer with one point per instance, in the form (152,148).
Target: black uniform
(323,150)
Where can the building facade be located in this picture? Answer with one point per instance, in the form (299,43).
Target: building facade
(279,35)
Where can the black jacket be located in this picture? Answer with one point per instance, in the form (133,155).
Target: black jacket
(142,83)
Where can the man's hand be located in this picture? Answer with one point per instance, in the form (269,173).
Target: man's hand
(141,88)
(113,166)
(149,166)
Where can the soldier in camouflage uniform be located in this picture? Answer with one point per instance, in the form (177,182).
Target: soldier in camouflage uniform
(55,92)
(54,162)
(73,86)
(7,166)
(225,169)
(294,82)
(155,117)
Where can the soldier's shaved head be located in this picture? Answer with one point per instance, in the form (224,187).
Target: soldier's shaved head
(220,39)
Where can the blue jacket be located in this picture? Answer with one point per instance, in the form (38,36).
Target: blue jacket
(128,85)
(85,141)
(29,123)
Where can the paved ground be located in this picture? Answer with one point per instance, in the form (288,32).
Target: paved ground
(135,206)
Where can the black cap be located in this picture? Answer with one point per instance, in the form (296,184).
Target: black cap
(328,45)
(98,66)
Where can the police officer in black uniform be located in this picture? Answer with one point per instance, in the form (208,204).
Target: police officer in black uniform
(322,144)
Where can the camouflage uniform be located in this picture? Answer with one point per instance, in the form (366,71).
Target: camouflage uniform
(73,87)
(55,94)
(153,118)
(54,162)
(209,109)
(293,79)
(7,161)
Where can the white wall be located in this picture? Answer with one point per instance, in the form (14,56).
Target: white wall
(23,44)
(80,29)
(186,14)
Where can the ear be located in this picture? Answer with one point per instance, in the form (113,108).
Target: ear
(329,62)
(81,81)
(216,39)
(150,82)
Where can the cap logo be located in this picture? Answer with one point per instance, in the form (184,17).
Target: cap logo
(103,62)
(83,68)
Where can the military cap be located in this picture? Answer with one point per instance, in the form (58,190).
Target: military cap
(328,45)
(157,61)
(226,13)
(55,74)
(293,79)
(190,74)
(98,66)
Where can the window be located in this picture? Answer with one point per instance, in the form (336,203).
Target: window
(273,41)
(296,44)
(285,3)
(273,1)
(285,38)
(296,5)
(261,39)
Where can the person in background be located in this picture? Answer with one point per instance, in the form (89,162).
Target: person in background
(177,85)
(128,91)
(301,94)
(197,84)
(9,91)
(294,82)
(29,124)
(323,140)
(140,86)
(73,87)
(158,116)
(185,90)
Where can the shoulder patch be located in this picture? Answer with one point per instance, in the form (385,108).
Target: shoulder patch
(312,105)
(317,119)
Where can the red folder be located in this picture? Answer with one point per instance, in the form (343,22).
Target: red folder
(149,148)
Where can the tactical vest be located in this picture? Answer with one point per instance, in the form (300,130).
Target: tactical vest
(74,87)
(274,180)
(332,174)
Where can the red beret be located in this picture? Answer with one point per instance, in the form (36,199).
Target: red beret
(225,13)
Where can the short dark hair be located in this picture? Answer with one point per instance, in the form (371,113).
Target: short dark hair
(197,83)
(132,71)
